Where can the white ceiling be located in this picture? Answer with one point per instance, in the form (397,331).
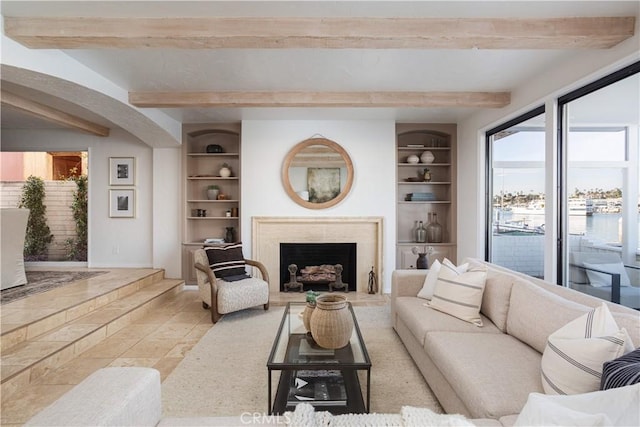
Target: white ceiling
(311,69)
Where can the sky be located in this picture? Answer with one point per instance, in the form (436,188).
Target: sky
(583,147)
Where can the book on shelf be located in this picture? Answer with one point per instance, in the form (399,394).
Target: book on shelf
(420,197)
(213,241)
(319,388)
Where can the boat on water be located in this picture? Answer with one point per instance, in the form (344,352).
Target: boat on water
(518,227)
(534,208)
(577,207)
(580,206)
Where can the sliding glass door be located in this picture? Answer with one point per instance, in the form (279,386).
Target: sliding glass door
(599,143)
(594,240)
(517,174)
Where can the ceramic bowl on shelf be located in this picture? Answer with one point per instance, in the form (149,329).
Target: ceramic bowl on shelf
(214,149)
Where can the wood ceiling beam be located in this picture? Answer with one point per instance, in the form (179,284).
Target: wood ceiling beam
(319,99)
(52,115)
(328,33)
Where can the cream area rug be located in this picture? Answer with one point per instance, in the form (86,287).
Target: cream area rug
(225,374)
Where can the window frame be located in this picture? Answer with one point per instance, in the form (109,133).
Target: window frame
(563,164)
(489,168)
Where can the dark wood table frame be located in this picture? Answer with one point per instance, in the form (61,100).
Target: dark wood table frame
(343,360)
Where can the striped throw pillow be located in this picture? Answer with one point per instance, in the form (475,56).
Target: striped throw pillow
(573,358)
(226,260)
(622,371)
(459,293)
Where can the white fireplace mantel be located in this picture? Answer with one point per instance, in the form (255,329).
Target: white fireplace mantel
(366,232)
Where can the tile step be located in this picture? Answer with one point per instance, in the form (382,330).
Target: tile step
(33,358)
(23,332)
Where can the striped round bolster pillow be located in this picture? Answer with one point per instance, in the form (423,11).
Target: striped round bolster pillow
(625,370)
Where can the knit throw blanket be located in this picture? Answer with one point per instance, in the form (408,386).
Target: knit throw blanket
(306,416)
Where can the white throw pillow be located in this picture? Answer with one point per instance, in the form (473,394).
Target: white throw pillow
(430,281)
(572,360)
(460,293)
(598,279)
(614,407)
(432,277)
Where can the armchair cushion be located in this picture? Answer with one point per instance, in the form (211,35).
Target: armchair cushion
(226,260)
(234,296)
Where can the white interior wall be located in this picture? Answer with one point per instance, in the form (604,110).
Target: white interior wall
(167,218)
(371,146)
(576,71)
(113,242)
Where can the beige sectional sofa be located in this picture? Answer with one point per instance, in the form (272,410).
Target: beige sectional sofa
(489,371)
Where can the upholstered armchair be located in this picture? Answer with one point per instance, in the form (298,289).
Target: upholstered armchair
(223,296)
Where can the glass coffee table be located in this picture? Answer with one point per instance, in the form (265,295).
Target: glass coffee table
(327,379)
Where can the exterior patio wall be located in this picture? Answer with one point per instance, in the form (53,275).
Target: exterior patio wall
(520,253)
(58,200)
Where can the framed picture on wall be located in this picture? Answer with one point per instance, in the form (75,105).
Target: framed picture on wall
(122,203)
(121,170)
(323,184)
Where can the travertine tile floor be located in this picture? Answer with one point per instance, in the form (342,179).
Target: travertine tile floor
(160,340)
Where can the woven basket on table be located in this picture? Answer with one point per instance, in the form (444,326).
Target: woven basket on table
(331,321)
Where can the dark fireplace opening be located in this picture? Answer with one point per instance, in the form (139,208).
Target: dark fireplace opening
(305,255)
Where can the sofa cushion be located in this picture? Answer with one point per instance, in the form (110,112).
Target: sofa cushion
(420,319)
(572,361)
(534,313)
(496,297)
(625,317)
(113,396)
(460,293)
(492,374)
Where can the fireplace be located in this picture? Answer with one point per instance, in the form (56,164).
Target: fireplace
(267,233)
(308,255)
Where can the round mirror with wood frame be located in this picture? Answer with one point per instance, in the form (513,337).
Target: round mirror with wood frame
(317,173)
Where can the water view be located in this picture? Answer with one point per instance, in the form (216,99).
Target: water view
(603,227)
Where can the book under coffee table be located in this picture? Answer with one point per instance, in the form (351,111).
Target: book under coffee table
(327,379)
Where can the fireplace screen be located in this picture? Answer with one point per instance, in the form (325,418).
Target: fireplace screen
(318,265)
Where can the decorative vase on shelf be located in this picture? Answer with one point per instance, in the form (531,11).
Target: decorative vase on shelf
(421,262)
(212,193)
(420,233)
(331,322)
(427,157)
(434,230)
(230,235)
(413,159)
(225,171)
